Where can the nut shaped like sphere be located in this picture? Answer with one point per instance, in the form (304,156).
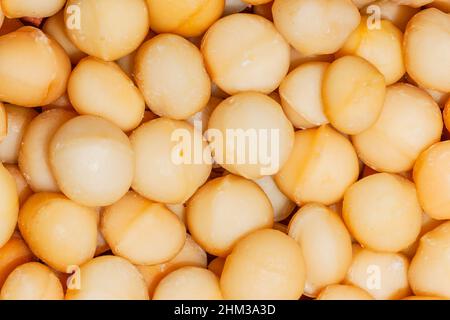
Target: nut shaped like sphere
(250,135)
(187,18)
(31,8)
(92,161)
(9,205)
(322,165)
(170,73)
(244,52)
(353,94)
(409,123)
(169,168)
(382,212)
(109,278)
(32,281)
(107,29)
(142,231)
(431,264)
(58,231)
(427,49)
(225,210)
(432,178)
(265,265)
(325,243)
(189,283)
(343,292)
(29,51)
(315,26)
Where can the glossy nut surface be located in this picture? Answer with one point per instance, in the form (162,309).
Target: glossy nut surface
(31,8)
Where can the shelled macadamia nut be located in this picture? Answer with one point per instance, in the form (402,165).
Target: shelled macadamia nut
(31,8)
(23,188)
(432,178)
(189,283)
(9,205)
(200,119)
(322,165)
(169,71)
(409,123)
(107,29)
(343,292)
(142,231)
(301,95)
(325,243)
(398,14)
(216,266)
(315,26)
(108,278)
(32,281)
(431,264)
(29,51)
(33,156)
(244,52)
(13,254)
(92,161)
(58,231)
(353,94)
(382,212)
(172,160)
(267,264)
(383,275)
(188,18)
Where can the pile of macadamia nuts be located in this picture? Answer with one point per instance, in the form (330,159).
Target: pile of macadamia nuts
(225,149)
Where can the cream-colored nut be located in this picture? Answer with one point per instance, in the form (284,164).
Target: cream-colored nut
(413,3)
(34,69)
(109,278)
(427,49)
(322,165)
(379,44)
(179,210)
(92,161)
(382,212)
(189,283)
(431,264)
(267,264)
(107,29)
(383,275)
(353,94)
(23,189)
(166,168)
(343,292)
(9,205)
(396,13)
(432,178)
(315,26)
(188,18)
(216,266)
(13,254)
(298,58)
(169,71)
(58,231)
(102,246)
(249,145)
(33,156)
(32,281)
(301,95)
(409,123)
(224,211)
(244,52)
(202,117)
(31,8)
(325,243)
(234,6)
(142,231)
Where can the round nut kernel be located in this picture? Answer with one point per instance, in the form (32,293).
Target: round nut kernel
(9,205)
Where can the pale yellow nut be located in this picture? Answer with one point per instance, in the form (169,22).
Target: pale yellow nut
(322,165)
(108,278)
(31,8)
(170,73)
(33,156)
(409,123)
(179,210)
(23,189)
(225,210)
(315,26)
(188,18)
(343,292)
(169,169)
(413,3)
(427,49)
(92,161)
(32,281)
(396,13)
(34,69)
(244,52)
(301,95)
(234,6)
(216,265)
(432,178)
(189,283)
(267,264)
(200,119)
(107,29)
(353,94)
(9,205)
(325,243)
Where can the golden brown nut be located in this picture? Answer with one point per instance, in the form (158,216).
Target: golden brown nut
(343,292)
(31,8)
(23,189)
(264,10)
(422,298)
(13,254)
(9,205)
(446,114)
(216,266)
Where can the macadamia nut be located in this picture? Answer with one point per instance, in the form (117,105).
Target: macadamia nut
(9,205)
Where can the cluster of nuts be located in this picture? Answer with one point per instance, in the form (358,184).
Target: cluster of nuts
(351,202)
